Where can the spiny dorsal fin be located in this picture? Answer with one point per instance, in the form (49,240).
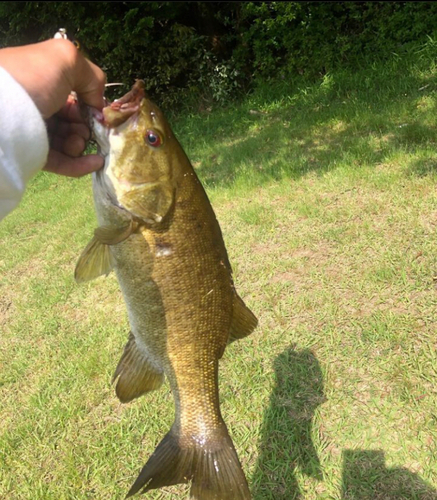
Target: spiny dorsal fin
(94,261)
(243,322)
(136,375)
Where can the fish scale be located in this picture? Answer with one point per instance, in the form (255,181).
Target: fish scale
(158,231)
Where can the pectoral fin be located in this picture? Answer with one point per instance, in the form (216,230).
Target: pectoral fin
(150,202)
(94,261)
(243,322)
(111,235)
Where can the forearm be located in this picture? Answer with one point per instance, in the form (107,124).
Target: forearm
(23,142)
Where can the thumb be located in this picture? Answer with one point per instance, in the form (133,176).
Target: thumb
(61,164)
(89,82)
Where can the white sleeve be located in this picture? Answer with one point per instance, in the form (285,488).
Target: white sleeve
(23,142)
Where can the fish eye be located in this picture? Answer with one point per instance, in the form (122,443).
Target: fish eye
(153,139)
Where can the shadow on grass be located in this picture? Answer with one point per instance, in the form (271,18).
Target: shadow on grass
(423,167)
(351,119)
(366,477)
(287,446)
(287,427)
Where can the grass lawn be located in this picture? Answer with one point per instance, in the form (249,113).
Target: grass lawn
(326,194)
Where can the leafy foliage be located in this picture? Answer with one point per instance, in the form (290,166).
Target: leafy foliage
(215,50)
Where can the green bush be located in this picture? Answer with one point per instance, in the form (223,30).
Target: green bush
(207,52)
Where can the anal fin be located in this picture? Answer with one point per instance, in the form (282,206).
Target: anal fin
(243,322)
(136,375)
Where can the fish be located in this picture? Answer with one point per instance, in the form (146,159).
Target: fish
(158,231)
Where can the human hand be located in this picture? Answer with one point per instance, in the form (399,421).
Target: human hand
(49,71)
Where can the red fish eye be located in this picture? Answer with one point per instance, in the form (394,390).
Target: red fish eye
(153,139)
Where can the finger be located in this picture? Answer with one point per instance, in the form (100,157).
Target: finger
(73,145)
(89,83)
(71,111)
(60,128)
(61,164)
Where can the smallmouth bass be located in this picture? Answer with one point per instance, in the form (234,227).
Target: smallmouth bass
(159,233)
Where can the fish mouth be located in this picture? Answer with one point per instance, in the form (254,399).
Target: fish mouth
(122,109)
(115,114)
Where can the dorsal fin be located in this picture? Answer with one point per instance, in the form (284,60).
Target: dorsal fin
(243,322)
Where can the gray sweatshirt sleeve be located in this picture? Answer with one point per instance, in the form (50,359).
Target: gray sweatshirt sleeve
(24,142)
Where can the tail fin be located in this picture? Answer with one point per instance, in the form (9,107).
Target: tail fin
(213,468)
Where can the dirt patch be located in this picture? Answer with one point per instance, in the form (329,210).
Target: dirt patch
(266,248)
(429,222)
(287,276)
(6,308)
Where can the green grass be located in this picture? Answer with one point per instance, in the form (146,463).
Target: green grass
(326,194)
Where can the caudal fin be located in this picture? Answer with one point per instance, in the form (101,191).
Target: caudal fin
(213,468)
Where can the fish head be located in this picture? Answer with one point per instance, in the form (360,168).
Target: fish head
(138,145)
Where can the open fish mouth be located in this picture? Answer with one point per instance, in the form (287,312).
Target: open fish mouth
(122,109)
(112,119)
(115,114)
